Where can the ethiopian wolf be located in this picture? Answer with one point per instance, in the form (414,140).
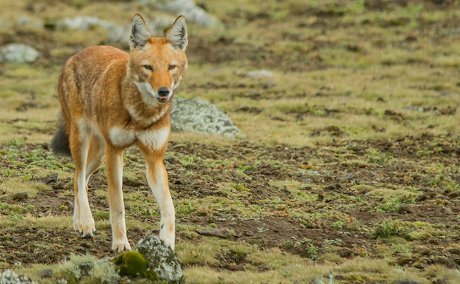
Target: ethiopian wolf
(111,100)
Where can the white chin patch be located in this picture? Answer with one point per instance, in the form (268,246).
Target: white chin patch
(148,95)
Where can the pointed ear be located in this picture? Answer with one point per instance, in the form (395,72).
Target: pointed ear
(139,34)
(177,34)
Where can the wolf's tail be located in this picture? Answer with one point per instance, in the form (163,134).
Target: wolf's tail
(60,141)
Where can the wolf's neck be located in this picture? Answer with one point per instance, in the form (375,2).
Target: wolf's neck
(143,111)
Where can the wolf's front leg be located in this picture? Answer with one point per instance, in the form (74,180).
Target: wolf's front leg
(114,166)
(157,178)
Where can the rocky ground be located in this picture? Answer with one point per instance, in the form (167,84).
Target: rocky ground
(346,166)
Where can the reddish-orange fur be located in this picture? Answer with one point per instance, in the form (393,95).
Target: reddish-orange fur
(102,105)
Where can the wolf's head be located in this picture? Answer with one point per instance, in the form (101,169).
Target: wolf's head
(157,64)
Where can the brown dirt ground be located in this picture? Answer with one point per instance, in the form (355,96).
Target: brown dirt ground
(332,186)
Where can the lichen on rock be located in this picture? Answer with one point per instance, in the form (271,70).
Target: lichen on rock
(200,116)
(161,259)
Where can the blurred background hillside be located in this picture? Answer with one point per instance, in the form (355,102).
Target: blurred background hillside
(284,70)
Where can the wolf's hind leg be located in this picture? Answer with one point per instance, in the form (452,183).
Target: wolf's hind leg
(83,221)
(114,167)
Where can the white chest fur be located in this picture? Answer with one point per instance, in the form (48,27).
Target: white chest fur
(155,139)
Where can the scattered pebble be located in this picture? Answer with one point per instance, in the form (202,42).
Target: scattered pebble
(26,21)
(10,277)
(223,233)
(261,73)
(20,196)
(46,273)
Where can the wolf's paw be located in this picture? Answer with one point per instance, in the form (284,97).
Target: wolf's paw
(168,239)
(168,234)
(122,245)
(84,226)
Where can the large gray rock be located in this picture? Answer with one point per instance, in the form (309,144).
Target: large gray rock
(83,23)
(188,8)
(10,277)
(157,27)
(118,34)
(161,259)
(115,33)
(18,53)
(197,115)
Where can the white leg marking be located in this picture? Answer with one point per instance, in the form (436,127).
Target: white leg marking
(76,214)
(159,186)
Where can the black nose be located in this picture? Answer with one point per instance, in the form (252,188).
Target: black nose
(163,92)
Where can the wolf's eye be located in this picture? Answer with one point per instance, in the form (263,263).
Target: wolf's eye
(148,67)
(171,66)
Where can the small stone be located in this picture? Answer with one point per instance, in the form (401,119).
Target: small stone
(450,110)
(23,20)
(26,21)
(57,185)
(85,268)
(262,73)
(51,178)
(345,252)
(18,53)
(20,196)
(223,233)
(10,277)
(316,280)
(46,273)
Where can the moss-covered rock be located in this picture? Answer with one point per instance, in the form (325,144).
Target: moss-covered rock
(132,264)
(162,261)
